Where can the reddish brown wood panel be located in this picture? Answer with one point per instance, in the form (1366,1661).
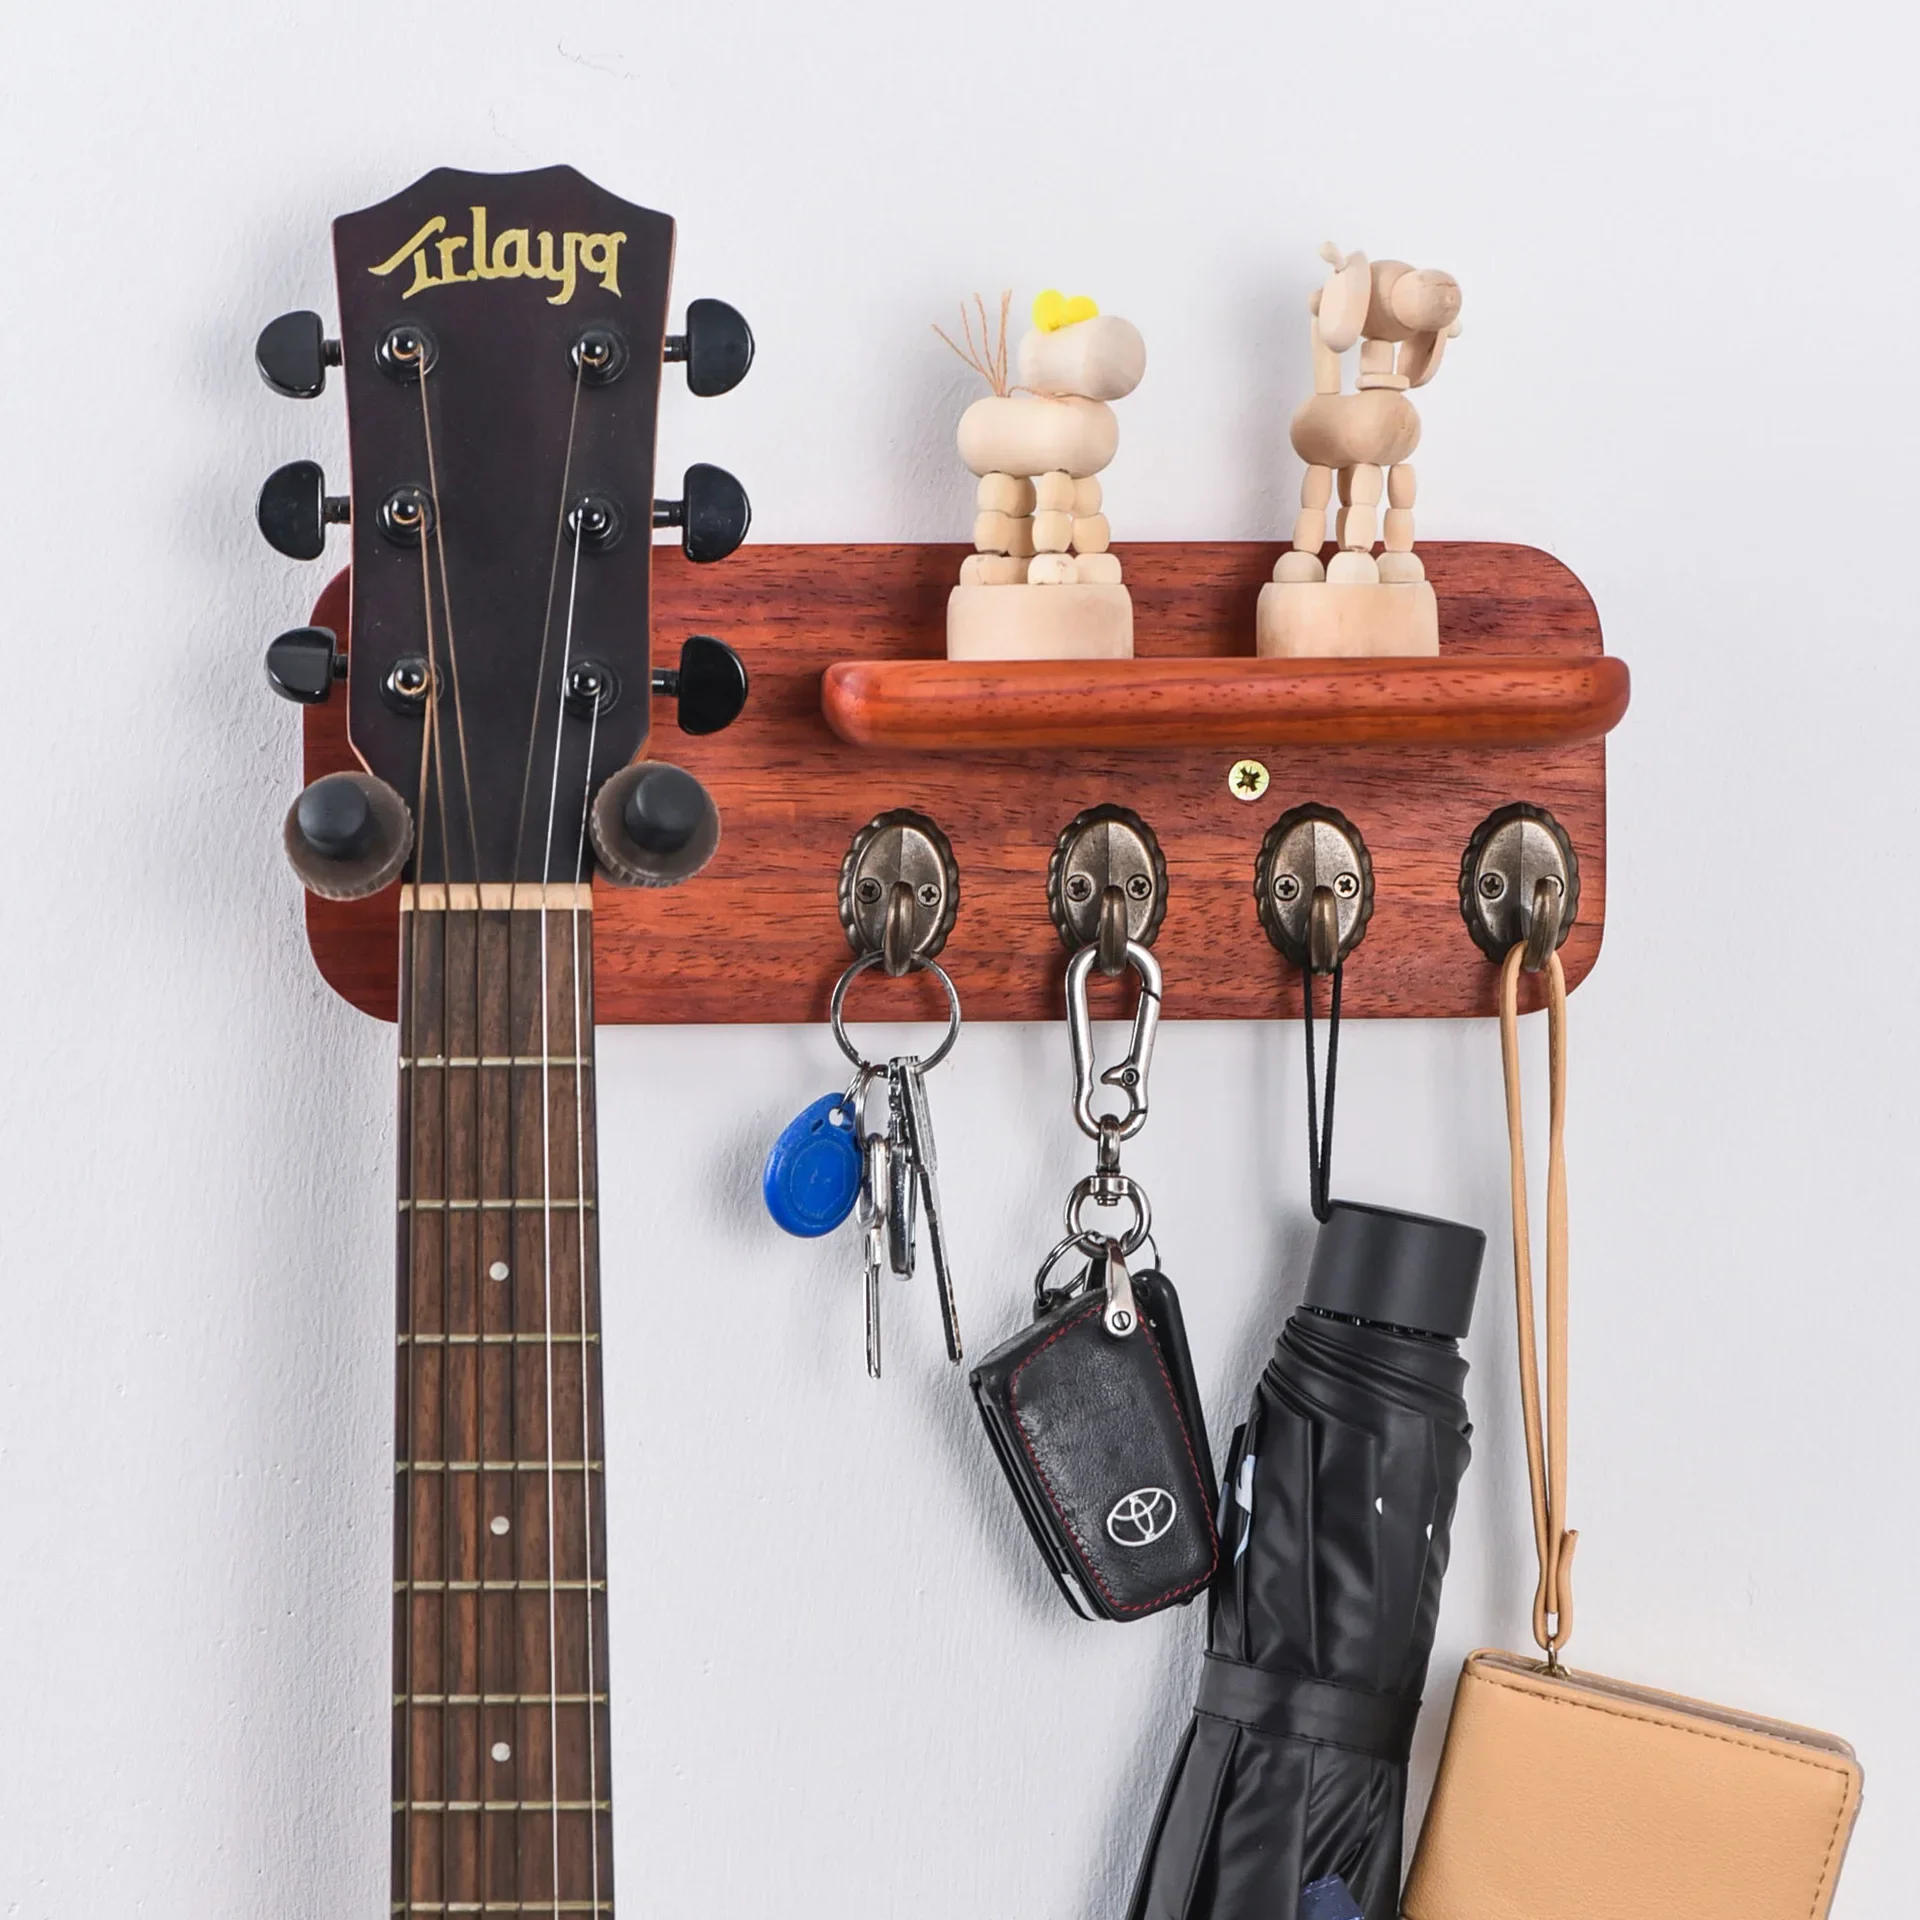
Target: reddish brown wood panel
(948,706)
(756,937)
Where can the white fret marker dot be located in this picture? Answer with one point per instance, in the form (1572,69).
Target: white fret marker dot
(500,1523)
(499,1270)
(501,1751)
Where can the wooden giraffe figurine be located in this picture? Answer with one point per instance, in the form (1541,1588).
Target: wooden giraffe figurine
(1357,603)
(1042,583)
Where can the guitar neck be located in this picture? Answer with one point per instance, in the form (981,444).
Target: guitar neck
(500,1728)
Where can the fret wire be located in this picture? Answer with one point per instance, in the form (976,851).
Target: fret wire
(499,1586)
(495,1339)
(499,1466)
(500,1699)
(494,1060)
(492,1206)
(502,1806)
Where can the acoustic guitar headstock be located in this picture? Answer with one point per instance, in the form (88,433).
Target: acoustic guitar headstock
(501,341)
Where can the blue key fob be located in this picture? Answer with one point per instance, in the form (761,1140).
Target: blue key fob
(813,1173)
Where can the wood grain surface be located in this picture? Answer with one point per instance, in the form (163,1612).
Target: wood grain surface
(501,1737)
(947,706)
(756,936)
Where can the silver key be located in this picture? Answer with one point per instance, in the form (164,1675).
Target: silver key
(870,1216)
(918,1119)
(902,1184)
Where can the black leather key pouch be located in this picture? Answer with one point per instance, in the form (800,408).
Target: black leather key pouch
(1094,1416)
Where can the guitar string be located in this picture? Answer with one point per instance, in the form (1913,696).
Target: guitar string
(582,1032)
(437,755)
(436,748)
(546,624)
(546,1220)
(408,1385)
(513,1103)
(439,535)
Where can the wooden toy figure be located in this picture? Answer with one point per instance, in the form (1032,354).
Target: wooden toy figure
(1042,583)
(1357,603)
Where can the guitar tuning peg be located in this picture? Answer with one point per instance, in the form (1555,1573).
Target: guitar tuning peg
(295,509)
(293,354)
(717,347)
(348,835)
(653,825)
(709,686)
(303,664)
(713,517)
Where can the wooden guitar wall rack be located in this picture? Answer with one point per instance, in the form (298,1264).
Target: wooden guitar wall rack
(854,710)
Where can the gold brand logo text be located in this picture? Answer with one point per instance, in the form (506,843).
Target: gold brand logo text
(513,254)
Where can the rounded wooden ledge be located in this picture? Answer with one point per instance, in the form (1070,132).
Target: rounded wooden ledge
(944,705)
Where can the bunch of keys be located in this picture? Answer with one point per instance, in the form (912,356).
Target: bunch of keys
(899,1186)
(828,1163)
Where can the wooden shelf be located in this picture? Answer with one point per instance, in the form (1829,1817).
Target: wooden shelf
(955,705)
(757,935)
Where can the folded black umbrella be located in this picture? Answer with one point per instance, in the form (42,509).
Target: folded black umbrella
(1339,1499)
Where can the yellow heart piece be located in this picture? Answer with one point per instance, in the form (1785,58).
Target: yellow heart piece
(1053,310)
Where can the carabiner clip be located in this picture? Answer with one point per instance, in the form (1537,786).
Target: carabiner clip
(1130,1076)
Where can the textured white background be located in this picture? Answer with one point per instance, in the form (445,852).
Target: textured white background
(842,1685)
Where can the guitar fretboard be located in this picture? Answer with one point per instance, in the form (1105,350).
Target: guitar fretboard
(500,1790)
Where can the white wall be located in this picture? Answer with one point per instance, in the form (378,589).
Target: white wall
(1685,236)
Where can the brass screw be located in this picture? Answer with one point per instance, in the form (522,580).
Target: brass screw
(1248,780)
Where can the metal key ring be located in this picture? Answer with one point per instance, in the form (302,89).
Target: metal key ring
(1046,1298)
(1108,1190)
(836,1006)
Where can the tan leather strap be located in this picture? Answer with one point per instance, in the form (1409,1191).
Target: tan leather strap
(1546,1440)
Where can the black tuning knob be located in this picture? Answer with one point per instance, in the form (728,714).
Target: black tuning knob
(348,835)
(709,686)
(293,354)
(714,516)
(303,664)
(653,825)
(717,347)
(295,509)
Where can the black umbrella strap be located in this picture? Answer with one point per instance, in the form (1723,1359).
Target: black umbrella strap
(1298,1707)
(1319,1125)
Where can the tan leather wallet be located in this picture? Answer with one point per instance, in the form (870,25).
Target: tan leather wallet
(1563,1796)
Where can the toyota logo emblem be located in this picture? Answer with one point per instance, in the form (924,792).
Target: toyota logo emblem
(1141,1517)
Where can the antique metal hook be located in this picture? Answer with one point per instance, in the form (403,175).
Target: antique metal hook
(1110,944)
(1543,924)
(1313,885)
(899,890)
(1323,931)
(1520,884)
(897,934)
(1107,884)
